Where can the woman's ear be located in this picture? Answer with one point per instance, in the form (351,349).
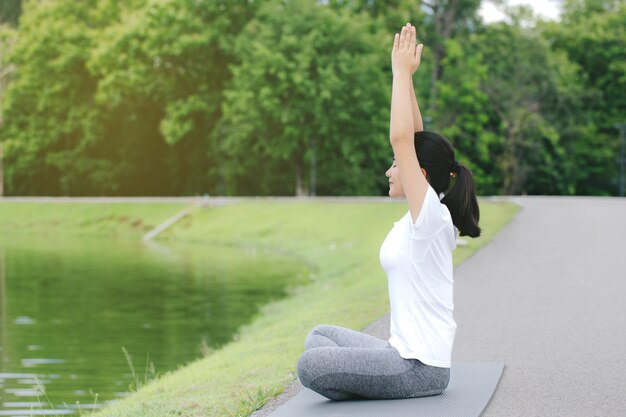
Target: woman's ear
(424,172)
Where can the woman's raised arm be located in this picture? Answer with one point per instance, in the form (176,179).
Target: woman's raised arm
(418,125)
(405,59)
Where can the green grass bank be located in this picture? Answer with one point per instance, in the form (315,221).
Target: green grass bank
(340,241)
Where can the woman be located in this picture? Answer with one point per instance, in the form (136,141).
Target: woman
(342,364)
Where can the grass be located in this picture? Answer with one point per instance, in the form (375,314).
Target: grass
(347,287)
(86,219)
(149,374)
(41,391)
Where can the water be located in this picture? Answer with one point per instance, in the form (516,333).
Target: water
(68,307)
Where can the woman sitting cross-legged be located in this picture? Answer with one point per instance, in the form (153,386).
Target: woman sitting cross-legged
(343,364)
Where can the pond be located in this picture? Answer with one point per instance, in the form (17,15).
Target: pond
(78,316)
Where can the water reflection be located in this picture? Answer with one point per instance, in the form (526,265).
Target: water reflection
(68,307)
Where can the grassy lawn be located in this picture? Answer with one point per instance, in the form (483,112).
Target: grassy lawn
(83,219)
(347,286)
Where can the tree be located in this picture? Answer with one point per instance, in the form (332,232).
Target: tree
(308,80)
(47,101)
(464,114)
(280,97)
(592,36)
(510,106)
(7,40)
(446,19)
(517,85)
(10,11)
(386,15)
(127,95)
(162,72)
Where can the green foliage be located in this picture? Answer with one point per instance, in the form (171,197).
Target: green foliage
(50,114)
(304,74)
(464,112)
(592,37)
(521,90)
(161,70)
(522,112)
(10,11)
(180,97)
(240,376)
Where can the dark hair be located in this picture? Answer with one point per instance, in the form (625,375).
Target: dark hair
(436,155)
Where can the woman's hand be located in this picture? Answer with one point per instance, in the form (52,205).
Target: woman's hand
(405,56)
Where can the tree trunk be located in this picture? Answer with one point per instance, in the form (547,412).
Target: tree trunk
(443,18)
(1,173)
(511,183)
(433,87)
(437,47)
(313,170)
(300,191)
(4,82)
(436,75)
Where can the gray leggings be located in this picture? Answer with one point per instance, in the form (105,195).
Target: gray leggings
(343,364)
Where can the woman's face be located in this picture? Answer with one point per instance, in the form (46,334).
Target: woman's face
(395,185)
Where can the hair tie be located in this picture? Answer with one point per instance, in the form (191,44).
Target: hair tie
(454,169)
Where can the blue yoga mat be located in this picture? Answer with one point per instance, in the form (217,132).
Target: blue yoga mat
(472,384)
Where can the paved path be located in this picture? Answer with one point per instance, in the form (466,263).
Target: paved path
(548,298)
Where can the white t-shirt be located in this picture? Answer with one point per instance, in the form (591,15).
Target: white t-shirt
(418,261)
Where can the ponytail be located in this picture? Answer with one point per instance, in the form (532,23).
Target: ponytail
(462,204)
(436,155)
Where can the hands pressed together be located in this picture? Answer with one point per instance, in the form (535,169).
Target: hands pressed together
(405,56)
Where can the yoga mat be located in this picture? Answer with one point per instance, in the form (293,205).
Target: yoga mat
(471,387)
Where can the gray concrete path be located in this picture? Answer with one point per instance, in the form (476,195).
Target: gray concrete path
(548,298)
